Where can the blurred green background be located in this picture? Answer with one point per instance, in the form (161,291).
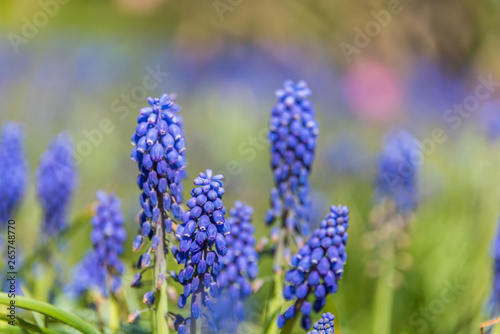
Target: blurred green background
(68,65)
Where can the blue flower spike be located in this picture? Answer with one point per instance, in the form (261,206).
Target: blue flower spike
(13,170)
(239,268)
(101,269)
(293,135)
(159,151)
(397,171)
(56,183)
(202,237)
(317,267)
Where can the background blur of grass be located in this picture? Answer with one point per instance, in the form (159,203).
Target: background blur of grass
(225,73)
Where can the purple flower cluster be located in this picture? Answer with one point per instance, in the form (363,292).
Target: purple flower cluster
(202,237)
(239,268)
(160,155)
(101,268)
(56,176)
(13,170)
(293,135)
(317,267)
(325,325)
(397,171)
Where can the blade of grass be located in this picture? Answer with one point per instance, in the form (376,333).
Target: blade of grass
(27,325)
(39,319)
(51,311)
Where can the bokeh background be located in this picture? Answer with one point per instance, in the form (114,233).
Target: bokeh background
(85,61)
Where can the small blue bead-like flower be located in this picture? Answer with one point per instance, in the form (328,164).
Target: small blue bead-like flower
(160,155)
(239,268)
(325,325)
(56,176)
(317,267)
(13,170)
(202,237)
(397,171)
(102,268)
(293,135)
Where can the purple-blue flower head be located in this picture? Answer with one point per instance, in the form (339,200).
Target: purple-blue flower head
(13,170)
(160,155)
(293,134)
(202,237)
(56,183)
(398,167)
(325,325)
(239,268)
(317,267)
(102,267)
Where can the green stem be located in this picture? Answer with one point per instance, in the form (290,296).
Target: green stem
(384,295)
(161,326)
(41,292)
(32,328)
(114,315)
(51,311)
(275,305)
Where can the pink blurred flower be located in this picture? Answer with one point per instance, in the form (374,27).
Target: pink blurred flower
(373,91)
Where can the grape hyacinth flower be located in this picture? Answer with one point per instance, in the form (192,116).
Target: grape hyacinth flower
(202,237)
(159,151)
(56,176)
(238,268)
(13,170)
(397,171)
(101,268)
(293,134)
(317,267)
(325,325)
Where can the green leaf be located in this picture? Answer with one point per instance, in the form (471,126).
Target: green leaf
(27,325)
(51,311)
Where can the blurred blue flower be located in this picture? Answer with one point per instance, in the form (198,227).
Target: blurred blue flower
(202,237)
(431,91)
(293,135)
(317,267)
(56,176)
(490,119)
(102,268)
(239,268)
(398,167)
(325,325)
(13,170)
(495,295)
(85,276)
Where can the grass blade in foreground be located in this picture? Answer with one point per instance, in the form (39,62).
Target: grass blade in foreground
(51,311)
(27,325)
